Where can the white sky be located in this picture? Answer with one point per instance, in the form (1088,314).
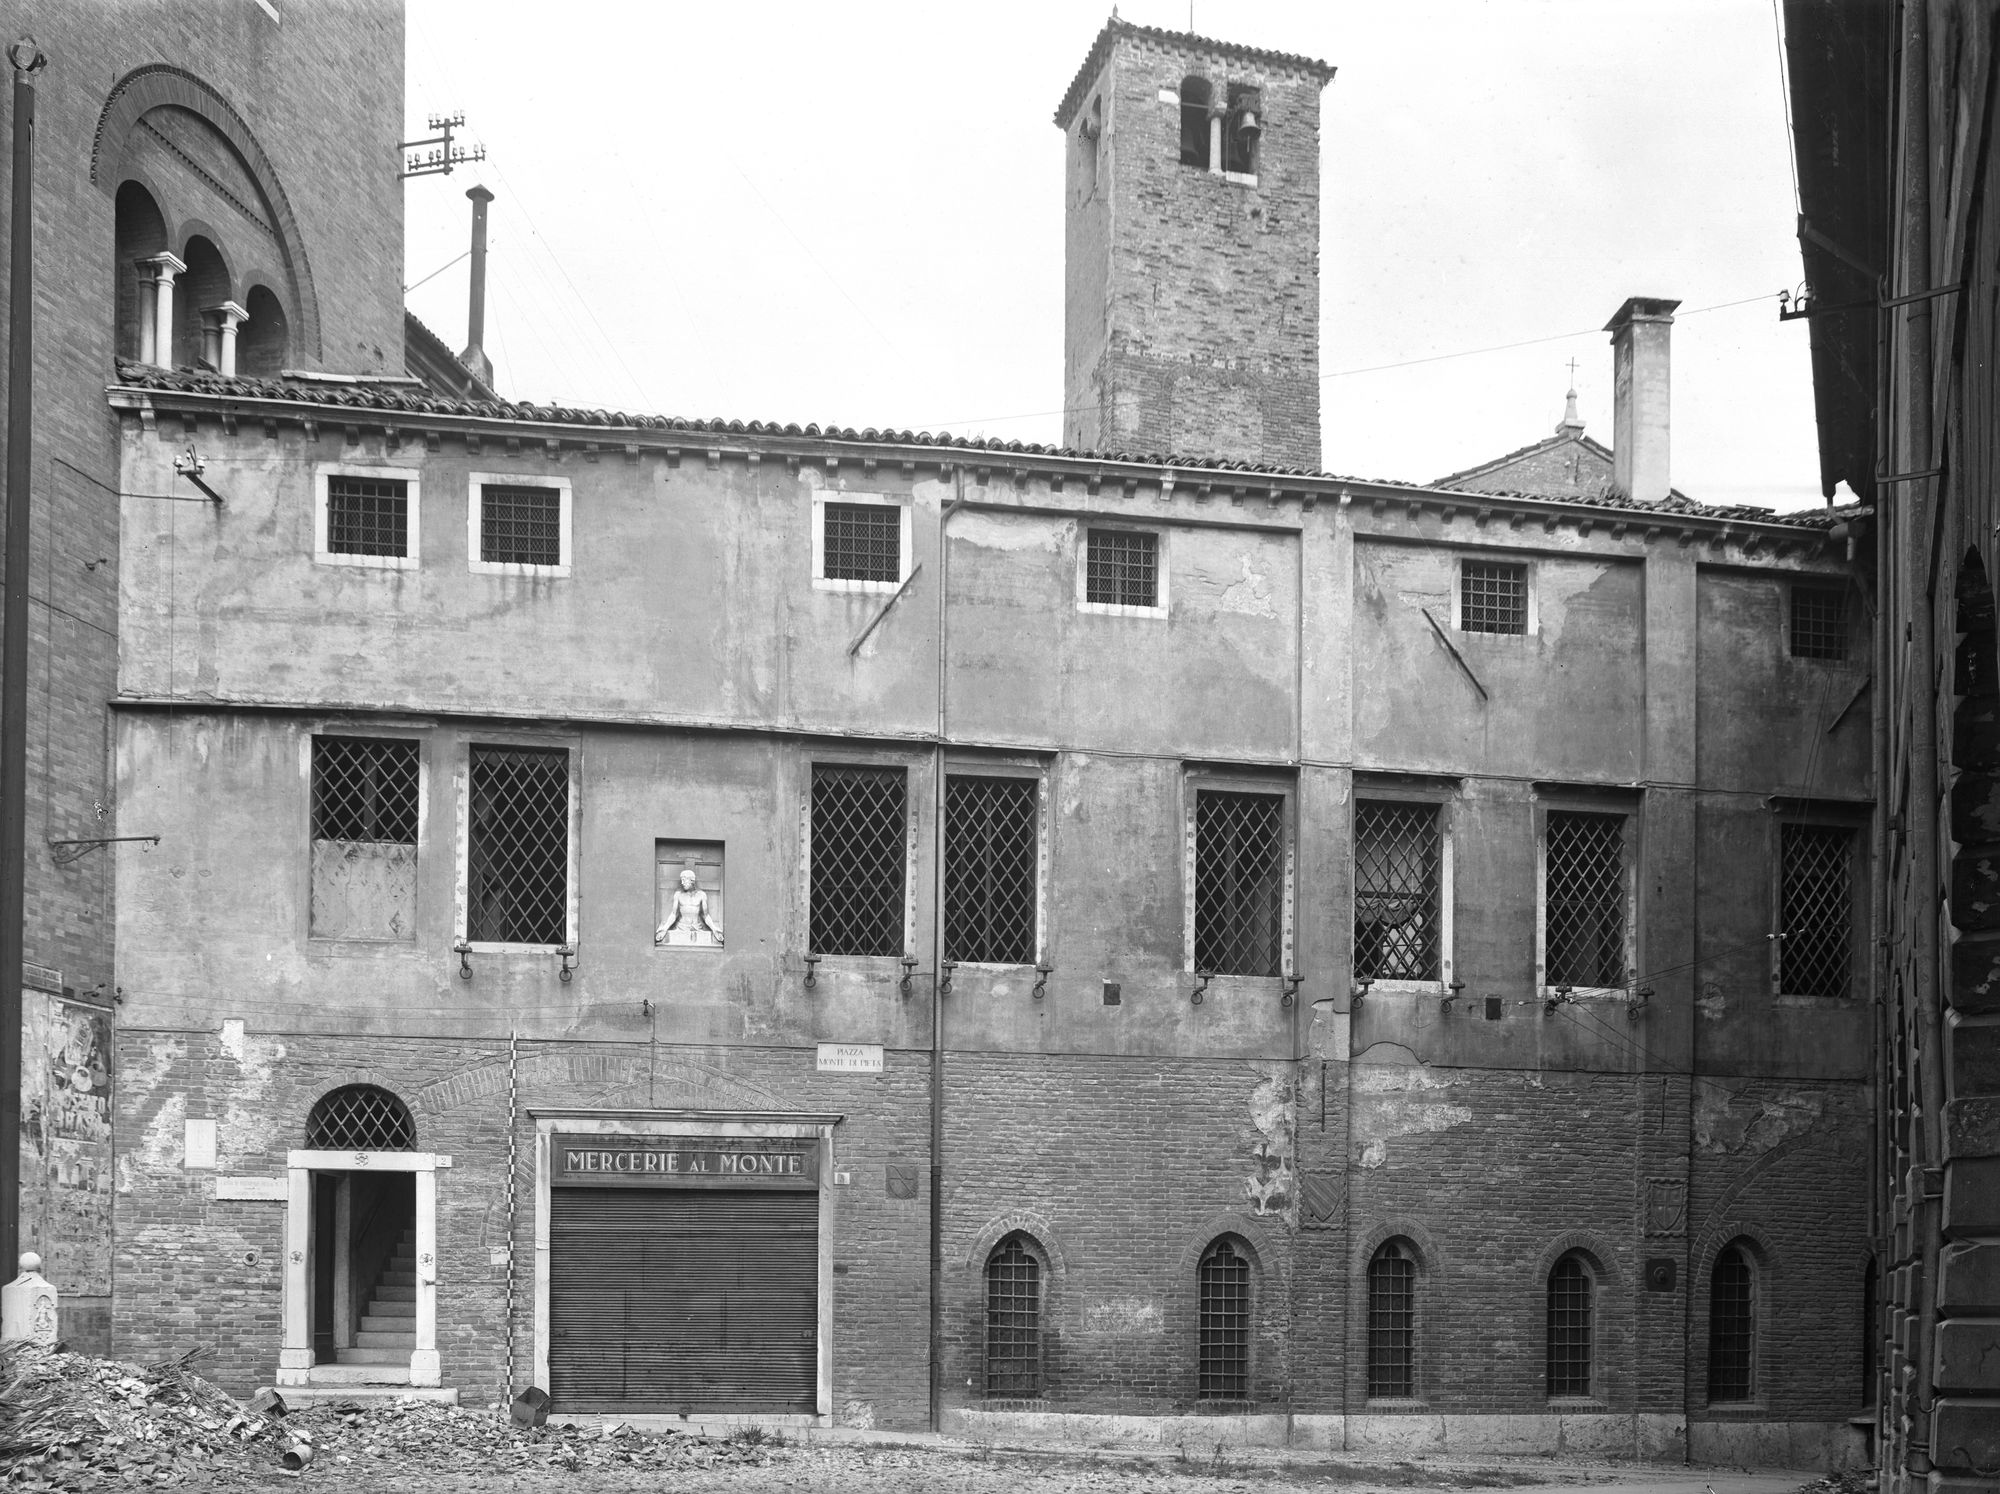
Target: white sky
(852,214)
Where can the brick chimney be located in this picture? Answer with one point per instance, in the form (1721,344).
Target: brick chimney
(1641,402)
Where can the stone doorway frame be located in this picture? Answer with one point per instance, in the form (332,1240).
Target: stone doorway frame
(295,1358)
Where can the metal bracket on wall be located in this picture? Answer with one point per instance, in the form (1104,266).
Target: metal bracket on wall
(1445,1001)
(1043,971)
(1202,978)
(1291,991)
(944,985)
(875,621)
(463,950)
(63,852)
(909,964)
(568,953)
(1452,649)
(812,970)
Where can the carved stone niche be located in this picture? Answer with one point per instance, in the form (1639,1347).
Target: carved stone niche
(688,896)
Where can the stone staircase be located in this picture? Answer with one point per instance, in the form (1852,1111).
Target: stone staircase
(388,1329)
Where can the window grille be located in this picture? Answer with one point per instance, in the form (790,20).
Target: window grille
(367,516)
(360,1118)
(859,827)
(1816,911)
(517,846)
(1392,1324)
(1239,883)
(1225,1325)
(1732,1328)
(364,838)
(1819,622)
(990,855)
(1569,1328)
(861,542)
(1013,1322)
(1492,598)
(1584,900)
(520,526)
(1121,568)
(1398,874)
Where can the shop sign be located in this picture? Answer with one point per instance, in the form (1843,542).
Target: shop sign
(686,1161)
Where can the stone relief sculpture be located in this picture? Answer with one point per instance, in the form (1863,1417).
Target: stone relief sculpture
(688,921)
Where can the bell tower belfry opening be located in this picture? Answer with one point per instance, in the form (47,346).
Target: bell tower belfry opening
(1191,223)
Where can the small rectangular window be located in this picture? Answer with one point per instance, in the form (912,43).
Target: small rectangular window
(367,516)
(517,846)
(1121,568)
(1492,597)
(1816,911)
(991,852)
(862,542)
(364,838)
(1584,889)
(1819,622)
(1240,879)
(1398,873)
(860,829)
(520,525)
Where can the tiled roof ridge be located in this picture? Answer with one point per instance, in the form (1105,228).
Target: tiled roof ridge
(146,378)
(1117,26)
(1589,443)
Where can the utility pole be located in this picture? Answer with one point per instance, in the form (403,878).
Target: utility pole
(28,60)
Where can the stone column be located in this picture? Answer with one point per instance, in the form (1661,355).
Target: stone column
(1215,140)
(28,1306)
(156,333)
(295,1358)
(218,335)
(425,1366)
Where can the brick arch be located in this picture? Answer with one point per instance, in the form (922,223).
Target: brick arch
(1722,1233)
(1183,1294)
(1766,1359)
(1432,1280)
(1595,1251)
(1027,1222)
(1430,1256)
(1244,1227)
(160,85)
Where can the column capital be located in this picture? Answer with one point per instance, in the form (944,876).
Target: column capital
(165,265)
(228,315)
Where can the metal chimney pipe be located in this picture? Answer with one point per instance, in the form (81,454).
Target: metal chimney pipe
(474,357)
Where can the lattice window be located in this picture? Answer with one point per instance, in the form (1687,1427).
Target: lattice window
(1492,597)
(1816,911)
(1398,875)
(1224,1369)
(1584,890)
(360,1118)
(1013,1322)
(1569,1328)
(1239,882)
(1732,1328)
(517,846)
(1121,568)
(991,849)
(367,516)
(520,525)
(859,831)
(364,838)
(861,542)
(1819,622)
(1392,1323)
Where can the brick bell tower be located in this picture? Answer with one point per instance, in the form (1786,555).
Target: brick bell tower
(1191,221)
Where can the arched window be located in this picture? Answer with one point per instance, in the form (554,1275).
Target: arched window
(1013,1321)
(360,1118)
(1732,1327)
(1392,1322)
(1569,1328)
(1195,97)
(1225,1324)
(204,283)
(139,233)
(261,344)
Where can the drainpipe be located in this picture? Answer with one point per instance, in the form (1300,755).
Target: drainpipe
(474,357)
(937,975)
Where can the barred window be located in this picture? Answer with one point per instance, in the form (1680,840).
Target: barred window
(1239,882)
(1224,1368)
(859,833)
(990,853)
(1398,875)
(1492,597)
(364,838)
(520,525)
(1732,1327)
(1121,568)
(1584,892)
(861,542)
(1569,1328)
(1392,1323)
(1816,911)
(367,516)
(1013,1322)
(1819,622)
(360,1118)
(517,846)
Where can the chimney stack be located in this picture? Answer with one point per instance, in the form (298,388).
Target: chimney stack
(1641,402)
(474,357)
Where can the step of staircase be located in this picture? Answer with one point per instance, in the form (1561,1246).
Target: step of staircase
(405,1342)
(392,1307)
(397,1360)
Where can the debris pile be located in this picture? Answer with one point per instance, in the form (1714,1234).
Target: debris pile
(68,1421)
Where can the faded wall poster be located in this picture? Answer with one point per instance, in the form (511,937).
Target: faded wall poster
(76,1117)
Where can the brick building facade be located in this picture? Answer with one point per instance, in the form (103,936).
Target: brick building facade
(1294,951)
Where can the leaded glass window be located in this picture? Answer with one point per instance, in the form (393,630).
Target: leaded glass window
(1239,882)
(1398,872)
(860,826)
(360,1118)
(517,846)
(991,851)
(364,837)
(1584,900)
(1732,1327)
(1816,911)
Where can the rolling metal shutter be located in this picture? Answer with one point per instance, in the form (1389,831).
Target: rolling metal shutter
(683,1300)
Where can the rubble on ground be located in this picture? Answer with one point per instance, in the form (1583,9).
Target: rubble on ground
(68,1421)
